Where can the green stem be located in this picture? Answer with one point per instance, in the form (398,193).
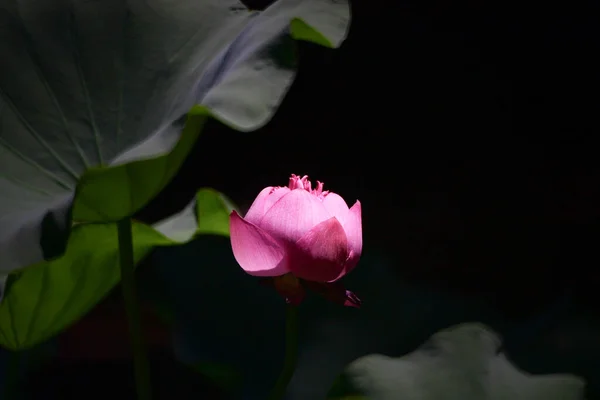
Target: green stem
(140,357)
(291,353)
(11,382)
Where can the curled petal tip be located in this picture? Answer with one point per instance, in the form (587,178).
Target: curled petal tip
(336,293)
(352,300)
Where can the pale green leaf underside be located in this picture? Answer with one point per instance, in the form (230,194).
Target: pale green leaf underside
(460,363)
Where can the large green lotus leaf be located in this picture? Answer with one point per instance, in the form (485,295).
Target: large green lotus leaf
(45,298)
(460,363)
(94,95)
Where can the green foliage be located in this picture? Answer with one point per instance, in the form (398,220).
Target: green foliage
(91,130)
(223,375)
(45,298)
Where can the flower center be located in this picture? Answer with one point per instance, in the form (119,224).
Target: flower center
(296,182)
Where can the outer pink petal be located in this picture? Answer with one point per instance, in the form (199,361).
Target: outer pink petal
(353,228)
(320,255)
(336,206)
(257,252)
(263,202)
(293,215)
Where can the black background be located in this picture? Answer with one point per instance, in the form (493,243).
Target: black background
(467,130)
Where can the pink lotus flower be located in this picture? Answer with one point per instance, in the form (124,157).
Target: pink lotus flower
(300,236)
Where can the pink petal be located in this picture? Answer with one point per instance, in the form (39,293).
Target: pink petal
(293,215)
(353,228)
(257,252)
(320,255)
(336,206)
(263,202)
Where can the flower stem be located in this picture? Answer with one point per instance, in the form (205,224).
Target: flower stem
(140,357)
(291,353)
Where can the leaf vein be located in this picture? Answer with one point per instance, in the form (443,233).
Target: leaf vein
(31,162)
(86,92)
(38,303)
(37,64)
(36,135)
